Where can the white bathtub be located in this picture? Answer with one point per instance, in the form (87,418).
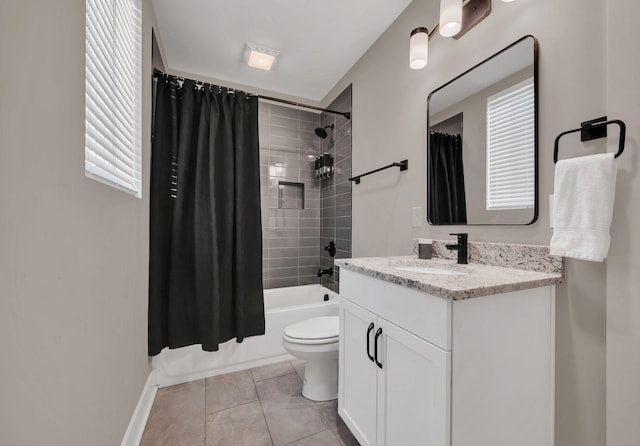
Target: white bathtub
(283,306)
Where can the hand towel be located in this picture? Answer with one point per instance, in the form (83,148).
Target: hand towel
(583,207)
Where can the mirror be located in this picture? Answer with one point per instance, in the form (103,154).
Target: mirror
(482,142)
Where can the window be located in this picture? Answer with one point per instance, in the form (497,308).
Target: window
(113,83)
(511,148)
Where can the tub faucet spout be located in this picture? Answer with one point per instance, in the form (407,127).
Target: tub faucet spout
(322,272)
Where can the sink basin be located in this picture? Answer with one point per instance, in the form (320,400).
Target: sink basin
(428,270)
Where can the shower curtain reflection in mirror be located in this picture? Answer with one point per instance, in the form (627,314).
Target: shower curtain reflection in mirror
(447,203)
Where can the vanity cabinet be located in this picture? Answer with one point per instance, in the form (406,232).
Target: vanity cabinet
(418,369)
(378,379)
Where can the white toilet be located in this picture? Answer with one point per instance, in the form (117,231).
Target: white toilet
(316,341)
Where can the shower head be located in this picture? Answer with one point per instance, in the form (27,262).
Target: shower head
(322,132)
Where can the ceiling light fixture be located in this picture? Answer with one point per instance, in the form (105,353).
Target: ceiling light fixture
(457,17)
(261,57)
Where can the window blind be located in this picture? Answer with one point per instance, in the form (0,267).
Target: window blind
(113,81)
(511,148)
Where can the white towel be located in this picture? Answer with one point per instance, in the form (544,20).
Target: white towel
(585,188)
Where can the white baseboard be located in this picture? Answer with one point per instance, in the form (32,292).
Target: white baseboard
(134,432)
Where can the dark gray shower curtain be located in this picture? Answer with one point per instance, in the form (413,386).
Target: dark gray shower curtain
(447,202)
(205,265)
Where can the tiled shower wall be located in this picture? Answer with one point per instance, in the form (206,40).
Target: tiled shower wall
(288,147)
(335,192)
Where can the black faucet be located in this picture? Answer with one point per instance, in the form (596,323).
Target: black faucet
(322,272)
(461,247)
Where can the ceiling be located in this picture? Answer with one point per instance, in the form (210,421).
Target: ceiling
(319,40)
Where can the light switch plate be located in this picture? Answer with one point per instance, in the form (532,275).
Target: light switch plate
(416,217)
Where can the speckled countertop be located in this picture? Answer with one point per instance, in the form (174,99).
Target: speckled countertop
(477,279)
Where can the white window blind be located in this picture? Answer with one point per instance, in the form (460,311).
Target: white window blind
(113,81)
(511,148)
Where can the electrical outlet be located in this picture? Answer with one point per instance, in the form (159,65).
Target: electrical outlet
(416,217)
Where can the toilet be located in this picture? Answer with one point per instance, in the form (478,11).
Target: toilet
(316,341)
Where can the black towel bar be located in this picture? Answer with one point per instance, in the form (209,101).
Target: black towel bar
(403,165)
(594,129)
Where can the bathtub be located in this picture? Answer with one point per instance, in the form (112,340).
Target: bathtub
(283,306)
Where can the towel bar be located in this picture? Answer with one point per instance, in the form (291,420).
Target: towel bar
(403,165)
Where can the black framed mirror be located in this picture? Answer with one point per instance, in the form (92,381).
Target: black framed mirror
(482,142)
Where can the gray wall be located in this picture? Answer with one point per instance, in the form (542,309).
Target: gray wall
(336,190)
(74,252)
(389,124)
(288,147)
(623,263)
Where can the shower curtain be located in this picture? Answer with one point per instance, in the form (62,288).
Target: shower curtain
(205,253)
(447,203)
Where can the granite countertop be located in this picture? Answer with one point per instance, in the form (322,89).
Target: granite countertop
(477,279)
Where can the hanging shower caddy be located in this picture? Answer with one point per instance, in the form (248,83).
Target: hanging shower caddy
(324,167)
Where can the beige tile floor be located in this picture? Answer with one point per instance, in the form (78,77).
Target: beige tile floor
(263,406)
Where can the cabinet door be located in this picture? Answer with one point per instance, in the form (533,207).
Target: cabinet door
(357,380)
(413,390)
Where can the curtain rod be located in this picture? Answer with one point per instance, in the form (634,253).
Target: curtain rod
(158,73)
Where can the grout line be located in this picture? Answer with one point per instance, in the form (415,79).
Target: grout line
(264,417)
(275,376)
(310,435)
(204,434)
(237,405)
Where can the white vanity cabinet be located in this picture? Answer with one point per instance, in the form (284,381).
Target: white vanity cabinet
(418,369)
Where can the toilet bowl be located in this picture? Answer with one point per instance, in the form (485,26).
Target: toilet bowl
(316,341)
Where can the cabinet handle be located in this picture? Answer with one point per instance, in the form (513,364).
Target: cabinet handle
(369,330)
(375,347)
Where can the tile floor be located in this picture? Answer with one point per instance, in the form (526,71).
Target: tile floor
(263,406)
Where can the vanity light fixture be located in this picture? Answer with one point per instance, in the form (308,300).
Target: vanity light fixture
(457,17)
(419,48)
(261,57)
(450,17)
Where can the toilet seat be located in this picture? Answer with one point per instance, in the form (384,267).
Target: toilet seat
(318,330)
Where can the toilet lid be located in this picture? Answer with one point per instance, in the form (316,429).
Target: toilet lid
(324,327)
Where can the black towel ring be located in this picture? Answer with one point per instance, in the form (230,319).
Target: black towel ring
(594,129)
